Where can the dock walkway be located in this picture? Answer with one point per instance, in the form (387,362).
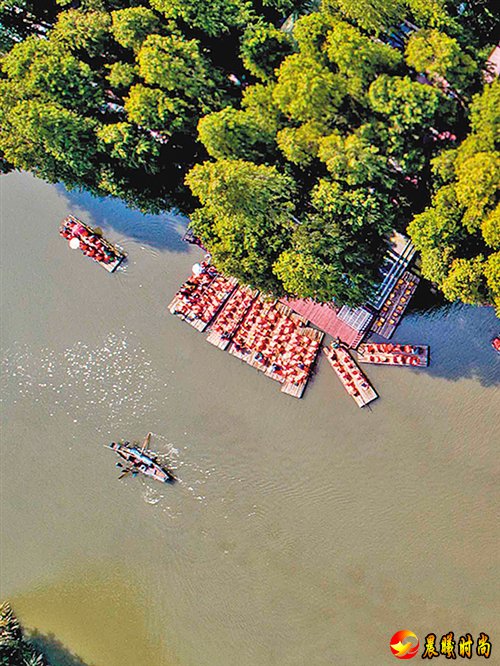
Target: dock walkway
(395,305)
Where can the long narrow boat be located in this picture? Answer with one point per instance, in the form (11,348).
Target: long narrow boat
(386,353)
(353,380)
(91,242)
(140,461)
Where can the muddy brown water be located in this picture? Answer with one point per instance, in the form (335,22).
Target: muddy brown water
(301,533)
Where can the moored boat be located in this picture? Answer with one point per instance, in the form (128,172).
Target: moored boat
(91,242)
(353,380)
(141,461)
(495,343)
(393,354)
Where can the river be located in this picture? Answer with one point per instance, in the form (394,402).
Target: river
(302,532)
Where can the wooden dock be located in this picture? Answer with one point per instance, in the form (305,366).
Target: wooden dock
(265,334)
(395,305)
(278,343)
(389,354)
(353,379)
(201,298)
(230,317)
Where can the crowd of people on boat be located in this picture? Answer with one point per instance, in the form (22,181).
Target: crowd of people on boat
(351,376)
(394,354)
(276,342)
(261,332)
(396,303)
(91,244)
(202,295)
(233,313)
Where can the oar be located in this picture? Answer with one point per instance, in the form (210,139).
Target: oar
(146,442)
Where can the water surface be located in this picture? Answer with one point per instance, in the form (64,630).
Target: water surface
(302,532)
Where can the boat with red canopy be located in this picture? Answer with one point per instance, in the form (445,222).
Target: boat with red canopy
(91,242)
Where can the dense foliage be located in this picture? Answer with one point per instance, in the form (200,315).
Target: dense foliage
(14,649)
(352,128)
(459,234)
(106,94)
(295,151)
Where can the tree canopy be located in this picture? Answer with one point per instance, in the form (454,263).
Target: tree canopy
(459,234)
(119,88)
(14,649)
(294,145)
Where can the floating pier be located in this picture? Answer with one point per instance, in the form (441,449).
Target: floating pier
(264,333)
(353,379)
(395,305)
(392,354)
(201,297)
(231,316)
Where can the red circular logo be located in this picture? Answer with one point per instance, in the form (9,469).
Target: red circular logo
(404,644)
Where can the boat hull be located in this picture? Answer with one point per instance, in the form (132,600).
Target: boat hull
(142,463)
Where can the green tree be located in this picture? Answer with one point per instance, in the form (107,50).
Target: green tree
(45,69)
(492,274)
(371,15)
(176,64)
(113,62)
(477,186)
(334,253)
(308,91)
(310,33)
(83,31)
(258,102)
(409,104)
(122,76)
(456,235)
(235,134)
(465,281)
(214,18)
(300,144)
(156,110)
(125,142)
(263,48)
(132,25)
(49,140)
(244,217)
(442,58)
(491,228)
(359,58)
(410,110)
(355,160)
(431,13)
(485,115)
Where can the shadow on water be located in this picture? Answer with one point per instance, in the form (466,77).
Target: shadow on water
(162,232)
(459,337)
(54,651)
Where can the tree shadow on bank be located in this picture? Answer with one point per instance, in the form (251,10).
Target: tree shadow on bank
(54,651)
(459,337)
(162,232)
